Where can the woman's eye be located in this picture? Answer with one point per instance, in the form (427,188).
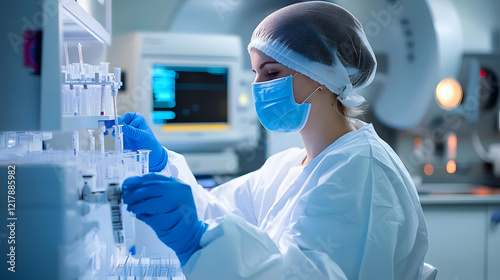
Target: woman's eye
(273,74)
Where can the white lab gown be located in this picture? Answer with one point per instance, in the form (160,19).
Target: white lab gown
(352,213)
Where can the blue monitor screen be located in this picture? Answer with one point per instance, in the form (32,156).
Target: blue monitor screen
(183,95)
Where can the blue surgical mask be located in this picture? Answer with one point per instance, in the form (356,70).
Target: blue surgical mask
(276,106)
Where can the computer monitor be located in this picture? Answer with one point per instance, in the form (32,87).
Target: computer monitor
(190,97)
(191,89)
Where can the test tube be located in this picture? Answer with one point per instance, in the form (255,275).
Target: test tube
(132,166)
(80,57)
(103,70)
(144,160)
(102,129)
(119,138)
(71,92)
(76,103)
(95,100)
(125,273)
(76,142)
(86,72)
(94,69)
(66,54)
(67,99)
(86,107)
(67,75)
(155,265)
(91,140)
(141,262)
(103,99)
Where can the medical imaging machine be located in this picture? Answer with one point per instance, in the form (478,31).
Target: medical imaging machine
(193,93)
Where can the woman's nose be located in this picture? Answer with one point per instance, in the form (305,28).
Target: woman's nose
(258,78)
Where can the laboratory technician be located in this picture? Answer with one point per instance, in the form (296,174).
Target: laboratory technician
(344,207)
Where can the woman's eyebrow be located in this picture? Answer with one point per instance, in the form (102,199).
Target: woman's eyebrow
(264,63)
(267,62)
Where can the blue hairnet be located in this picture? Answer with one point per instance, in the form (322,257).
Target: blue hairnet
(322,41)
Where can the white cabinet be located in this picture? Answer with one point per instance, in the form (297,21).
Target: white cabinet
(32,55)
(463,242)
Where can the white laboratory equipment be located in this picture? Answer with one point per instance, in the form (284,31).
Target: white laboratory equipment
(62,210)
(417,43)
(193,93)
(425,47)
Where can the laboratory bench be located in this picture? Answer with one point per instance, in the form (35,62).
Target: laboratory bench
(464,241)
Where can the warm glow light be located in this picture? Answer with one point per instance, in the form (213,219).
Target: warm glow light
(243,99)
(482,191)
(428,169)
(451,167)
(452,146)
(449,94)
(452,141)
(417,142)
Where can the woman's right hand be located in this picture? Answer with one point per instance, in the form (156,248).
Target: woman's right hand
(137,135)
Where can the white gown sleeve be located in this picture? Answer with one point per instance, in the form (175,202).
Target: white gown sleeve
(233,197)
(233,249)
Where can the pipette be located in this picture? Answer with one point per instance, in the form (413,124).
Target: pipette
(114,92)
(118,128)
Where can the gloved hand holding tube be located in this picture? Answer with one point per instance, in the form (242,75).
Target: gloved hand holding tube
(137,135)
(167,206)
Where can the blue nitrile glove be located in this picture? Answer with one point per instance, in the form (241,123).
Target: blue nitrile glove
(495,218)
(137,135)
(167,206)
